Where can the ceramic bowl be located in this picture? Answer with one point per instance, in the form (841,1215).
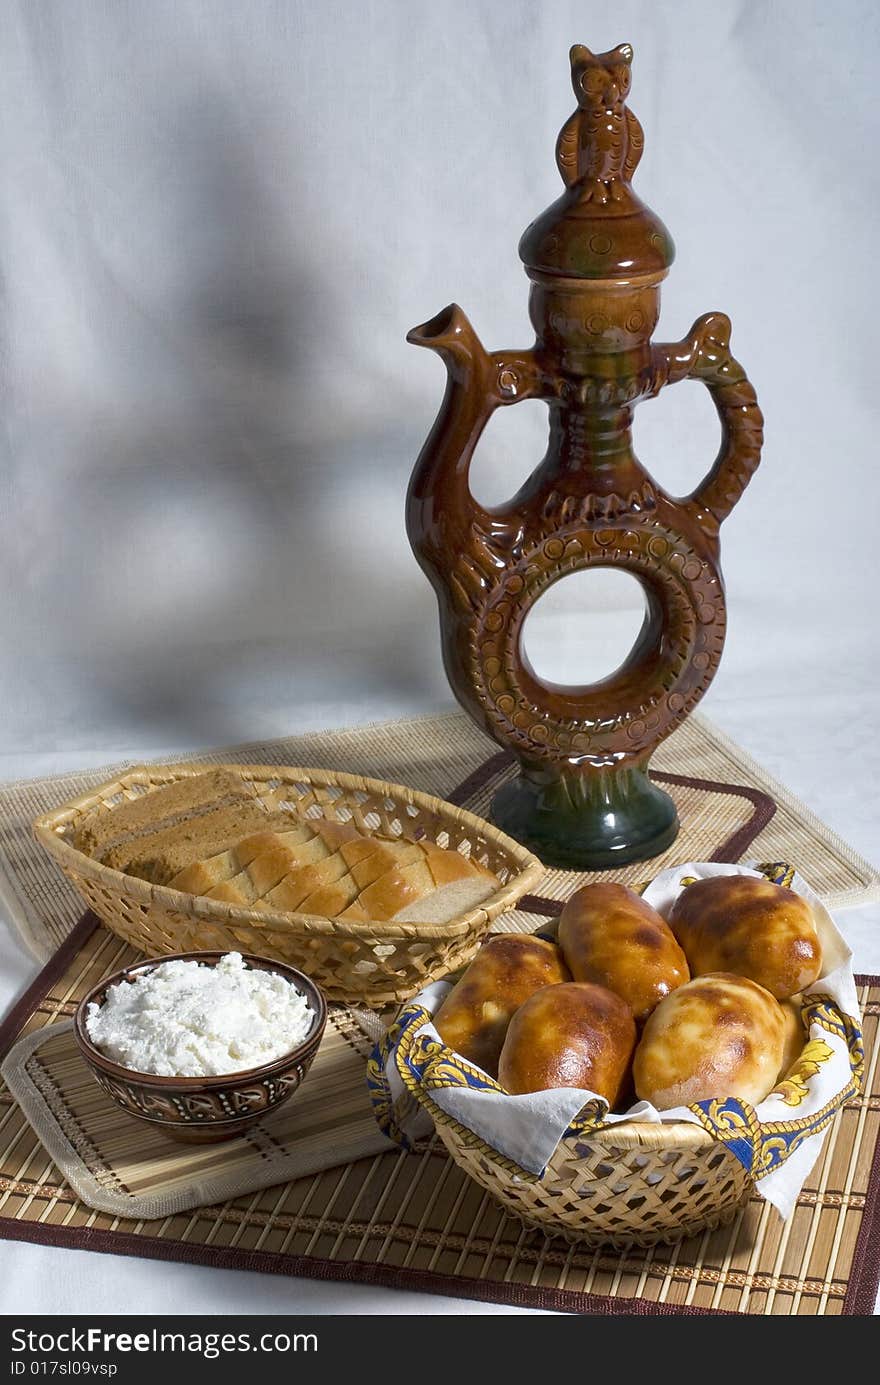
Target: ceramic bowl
(204,1110)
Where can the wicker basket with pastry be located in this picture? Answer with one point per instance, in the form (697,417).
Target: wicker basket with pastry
(650,1047)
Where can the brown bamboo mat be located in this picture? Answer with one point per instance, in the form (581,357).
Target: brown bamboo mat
(417,1221)
(729,807)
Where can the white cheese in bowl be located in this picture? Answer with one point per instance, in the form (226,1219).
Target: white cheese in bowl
(188,1019)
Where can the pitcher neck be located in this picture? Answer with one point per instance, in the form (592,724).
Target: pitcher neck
(584,439)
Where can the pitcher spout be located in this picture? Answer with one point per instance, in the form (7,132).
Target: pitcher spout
(440,506)
(451,335)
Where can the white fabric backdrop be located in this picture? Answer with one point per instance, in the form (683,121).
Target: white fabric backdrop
(217,222)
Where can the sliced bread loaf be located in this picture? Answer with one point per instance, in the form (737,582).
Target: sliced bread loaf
(331,870)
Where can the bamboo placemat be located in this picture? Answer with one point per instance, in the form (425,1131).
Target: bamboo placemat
(729,807)
(416,1221)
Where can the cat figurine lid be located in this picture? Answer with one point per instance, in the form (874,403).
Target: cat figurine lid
(598,228)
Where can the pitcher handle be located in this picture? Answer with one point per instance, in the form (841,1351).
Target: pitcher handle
(705,355)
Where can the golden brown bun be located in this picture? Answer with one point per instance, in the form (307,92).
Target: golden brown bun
(611,937)
(747,925)
(572,1035)
(716,1036)
(508,968)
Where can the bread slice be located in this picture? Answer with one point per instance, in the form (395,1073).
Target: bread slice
(328,901)
(158,808)
(380,857)
(237,890)
(249,848)
(318,876)
(449,901)
(332,870)
(276,863)
(446,866)
(203,877)
(263,860)
(460,885)
(160,856)
(398,887)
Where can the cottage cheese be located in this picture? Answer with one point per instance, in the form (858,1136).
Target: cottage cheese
(186,1019)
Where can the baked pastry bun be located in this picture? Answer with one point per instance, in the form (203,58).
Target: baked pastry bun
(610,936)
(747,925)
(572,1035)
(508,968)
(717,1036)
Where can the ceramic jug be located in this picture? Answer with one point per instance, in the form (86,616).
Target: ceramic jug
(596,258)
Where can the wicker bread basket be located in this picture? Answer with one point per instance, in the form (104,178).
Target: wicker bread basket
(373,963)
(618,1186)
(632,1182)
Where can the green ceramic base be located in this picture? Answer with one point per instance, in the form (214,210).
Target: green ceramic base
(588,820)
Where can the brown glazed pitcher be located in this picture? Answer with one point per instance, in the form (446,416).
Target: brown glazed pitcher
(596,259)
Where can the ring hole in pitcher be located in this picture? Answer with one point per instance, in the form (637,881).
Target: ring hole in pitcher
(584,627)
(505,455)
(676,434)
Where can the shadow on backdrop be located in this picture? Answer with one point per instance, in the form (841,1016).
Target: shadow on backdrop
(231,526)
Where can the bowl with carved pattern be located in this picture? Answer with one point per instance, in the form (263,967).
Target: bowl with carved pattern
(204,1110)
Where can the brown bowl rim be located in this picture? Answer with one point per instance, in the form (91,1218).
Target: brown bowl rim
(94,1056)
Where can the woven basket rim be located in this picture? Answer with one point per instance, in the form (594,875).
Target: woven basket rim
(647,1135)
(49,826)
(626,1135)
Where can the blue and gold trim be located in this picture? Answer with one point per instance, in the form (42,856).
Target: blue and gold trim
(732,1122)
(762,1146)
(408,1021)
(777,872)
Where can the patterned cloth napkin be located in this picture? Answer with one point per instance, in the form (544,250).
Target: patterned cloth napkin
(414,1077)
